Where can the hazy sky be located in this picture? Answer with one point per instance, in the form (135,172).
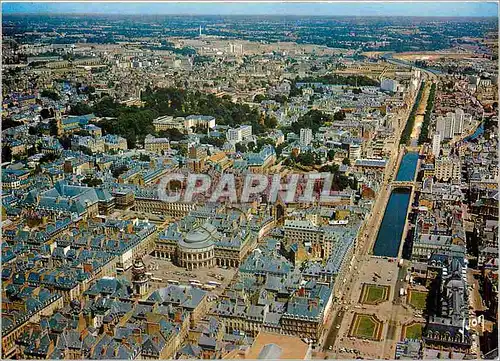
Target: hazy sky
(360,9)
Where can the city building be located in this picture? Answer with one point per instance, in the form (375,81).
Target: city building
(156,145)
(305,137)
(114,143)
(446,329)
(436,144)
(236,135)
(354,152)
(390,85)
(186,124)
(192,244)
(448,169)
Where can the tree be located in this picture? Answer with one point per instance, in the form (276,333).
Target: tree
(65,141)
(241,147)
(92,181)
(215,141)
(331,154)
(270,122)
(346,161)
(144,157)
(107,107)
(335,79)
(339,116)
(261,142)
(9,123)
(80,109)
(279,149)
(313,119)
(6,153)
(172,134)
(51,94)
(251,145)
(280,98)
(117,171)
(53,127)
(48,158)
(306,158)
(46,113)
(259,98)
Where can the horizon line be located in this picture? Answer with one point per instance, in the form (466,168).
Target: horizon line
(258,15)
(263,8)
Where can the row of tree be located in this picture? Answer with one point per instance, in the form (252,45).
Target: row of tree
(335,79)
(424,132)
(405,136)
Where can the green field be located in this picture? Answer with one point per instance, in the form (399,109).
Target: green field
(417,299)
(414,331)
(374,294)
(366,326)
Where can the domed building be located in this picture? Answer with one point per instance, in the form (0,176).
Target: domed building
(207,238)
(197,248)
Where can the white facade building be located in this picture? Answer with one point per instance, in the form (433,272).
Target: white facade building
(436,144)
(389,85)
(458,127)
(447,169)
(354,152)
(305,136)
(446,125)
(236,135)
(451,124)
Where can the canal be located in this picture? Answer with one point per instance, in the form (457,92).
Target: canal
(393,224)
(407,167)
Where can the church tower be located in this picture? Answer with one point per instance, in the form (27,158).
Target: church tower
(58,119)
(140,280)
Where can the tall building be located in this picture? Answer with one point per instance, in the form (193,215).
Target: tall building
(305,136)
(458,126)
(436,144)
(446,125)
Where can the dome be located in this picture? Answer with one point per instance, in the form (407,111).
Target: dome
(201,237)
(196,236)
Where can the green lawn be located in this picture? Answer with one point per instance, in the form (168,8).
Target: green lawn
(418,299)
(366,327)
(414,331)
(374,294)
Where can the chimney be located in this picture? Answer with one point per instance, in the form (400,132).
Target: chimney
(84,332)
(178,316)
(152,328)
